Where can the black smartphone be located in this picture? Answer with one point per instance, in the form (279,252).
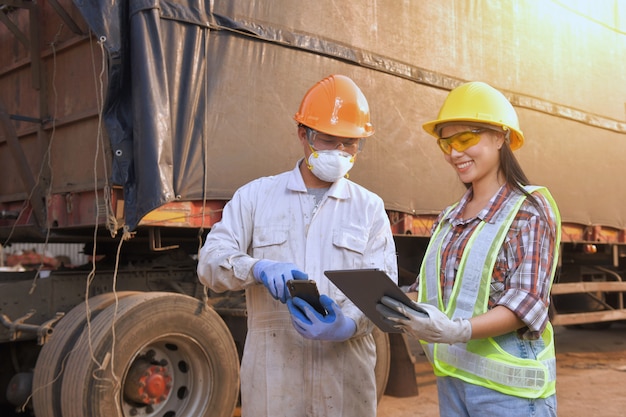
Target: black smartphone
(307,290)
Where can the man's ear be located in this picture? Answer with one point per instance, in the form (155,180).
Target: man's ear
(302,134)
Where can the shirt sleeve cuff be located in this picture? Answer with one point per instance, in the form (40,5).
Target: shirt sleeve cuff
(532,310)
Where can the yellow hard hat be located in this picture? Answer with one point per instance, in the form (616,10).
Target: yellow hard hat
(478,102)
(336,106)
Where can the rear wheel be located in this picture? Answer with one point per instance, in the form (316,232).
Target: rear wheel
(154,354)
(50,367)
(383,361)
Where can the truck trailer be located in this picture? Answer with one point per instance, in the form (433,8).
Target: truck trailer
(125,128)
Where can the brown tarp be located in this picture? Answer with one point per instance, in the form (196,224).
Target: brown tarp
(202,93)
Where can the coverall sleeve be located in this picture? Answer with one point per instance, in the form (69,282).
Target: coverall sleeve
(223,263)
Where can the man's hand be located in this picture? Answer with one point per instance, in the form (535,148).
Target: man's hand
(426,322)
(274,275)
(334,326)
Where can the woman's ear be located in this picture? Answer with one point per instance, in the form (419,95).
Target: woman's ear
(500,138)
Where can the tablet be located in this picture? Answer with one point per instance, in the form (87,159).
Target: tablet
(365,288)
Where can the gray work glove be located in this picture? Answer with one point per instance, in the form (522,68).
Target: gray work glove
(429,324)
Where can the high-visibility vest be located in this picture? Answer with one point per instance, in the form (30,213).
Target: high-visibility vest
(482,361)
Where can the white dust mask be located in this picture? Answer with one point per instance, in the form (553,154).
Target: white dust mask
(329,166)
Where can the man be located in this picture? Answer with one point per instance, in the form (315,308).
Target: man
(296,225)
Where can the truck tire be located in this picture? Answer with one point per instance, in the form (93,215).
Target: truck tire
(154,354)
(48,373)
(383,361)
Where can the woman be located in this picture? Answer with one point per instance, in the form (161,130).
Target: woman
(485,279)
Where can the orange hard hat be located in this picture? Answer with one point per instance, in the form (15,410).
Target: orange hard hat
(336,106)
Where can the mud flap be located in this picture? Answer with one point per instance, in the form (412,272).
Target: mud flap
(402,377)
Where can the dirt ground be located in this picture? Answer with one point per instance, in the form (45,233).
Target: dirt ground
(591,377)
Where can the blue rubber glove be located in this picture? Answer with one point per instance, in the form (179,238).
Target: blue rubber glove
(274,275)
(334,326)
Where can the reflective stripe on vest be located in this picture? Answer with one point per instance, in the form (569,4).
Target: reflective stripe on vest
(482,361)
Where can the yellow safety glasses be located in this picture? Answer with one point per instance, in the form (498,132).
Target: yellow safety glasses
(460,141)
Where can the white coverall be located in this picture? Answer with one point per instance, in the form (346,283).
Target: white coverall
(282,373)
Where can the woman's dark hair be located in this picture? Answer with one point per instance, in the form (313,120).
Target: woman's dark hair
(511,169)
(514,176)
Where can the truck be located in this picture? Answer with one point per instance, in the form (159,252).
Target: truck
(125,128)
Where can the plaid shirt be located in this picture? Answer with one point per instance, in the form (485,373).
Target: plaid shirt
(521,277)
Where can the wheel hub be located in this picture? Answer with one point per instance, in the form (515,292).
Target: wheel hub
(148,383)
